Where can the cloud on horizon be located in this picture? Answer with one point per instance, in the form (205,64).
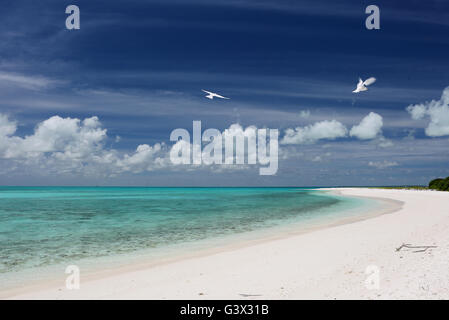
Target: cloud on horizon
(369,128)
(437,111)
(383,164)
(327,129)
(71,145)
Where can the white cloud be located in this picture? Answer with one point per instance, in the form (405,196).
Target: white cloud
(7,127)
(145,158)
(304,114)
(438,113)
(329,130)
(65,138)
(26,81)
(241,152)
(369,128)
(384,142)
(383,164)
(71,145)
(417,111)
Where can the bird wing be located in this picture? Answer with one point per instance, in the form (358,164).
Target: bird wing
(212,95)
(369,81)
(360,82)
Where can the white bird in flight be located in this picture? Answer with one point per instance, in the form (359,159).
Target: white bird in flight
(361,86)
(211,95)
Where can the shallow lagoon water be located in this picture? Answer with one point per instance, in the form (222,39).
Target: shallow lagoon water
(45,227)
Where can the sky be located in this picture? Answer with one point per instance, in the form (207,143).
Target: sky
(96,106)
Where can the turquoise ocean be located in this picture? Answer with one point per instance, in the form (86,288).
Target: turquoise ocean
(43,229)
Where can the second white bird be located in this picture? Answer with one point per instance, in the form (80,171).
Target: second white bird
(211,95)
(361,86)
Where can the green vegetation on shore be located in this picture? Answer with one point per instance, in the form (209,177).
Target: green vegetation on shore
(436,184)
(406,188)
(439,184)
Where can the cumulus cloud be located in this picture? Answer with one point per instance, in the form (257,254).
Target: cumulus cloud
(65,138)
(437,111)
(145,158)
(417,112)
(382,164)
(235,148)
(369,128)
(329,130)
(70,144)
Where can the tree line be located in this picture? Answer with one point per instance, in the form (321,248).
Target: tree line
(439,184)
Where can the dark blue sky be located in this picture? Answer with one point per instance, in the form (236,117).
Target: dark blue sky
(139,66)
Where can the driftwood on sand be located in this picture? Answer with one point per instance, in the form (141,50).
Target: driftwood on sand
(420,248)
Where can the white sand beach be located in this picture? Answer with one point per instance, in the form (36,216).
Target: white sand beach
(328,263)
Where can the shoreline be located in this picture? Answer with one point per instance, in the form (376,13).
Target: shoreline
(229,243)
(150,269)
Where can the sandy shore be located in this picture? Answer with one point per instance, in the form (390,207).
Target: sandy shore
(328,263)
